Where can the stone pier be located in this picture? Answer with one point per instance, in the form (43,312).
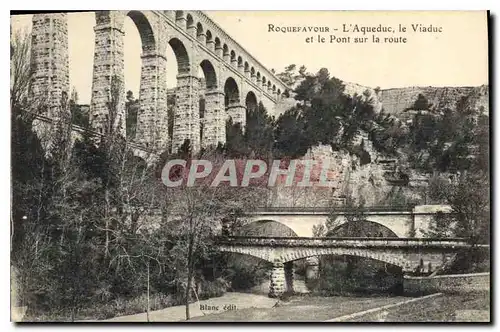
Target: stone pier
(277,285)
(108,73)
(49,63)
(289,271)
(214,130)
(187,114)
(152,121)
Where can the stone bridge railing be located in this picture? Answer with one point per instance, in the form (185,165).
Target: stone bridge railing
(351,242)
(305,209)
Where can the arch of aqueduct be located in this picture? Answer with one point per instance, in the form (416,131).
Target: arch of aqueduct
(234,80)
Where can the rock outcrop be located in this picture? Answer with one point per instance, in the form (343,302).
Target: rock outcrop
(397,100)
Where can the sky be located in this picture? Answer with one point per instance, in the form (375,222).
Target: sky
(456,56)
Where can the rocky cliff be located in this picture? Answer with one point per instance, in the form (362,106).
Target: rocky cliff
(376,183)
(395,101)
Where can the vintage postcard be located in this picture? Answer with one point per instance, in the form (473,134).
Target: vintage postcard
(250,166)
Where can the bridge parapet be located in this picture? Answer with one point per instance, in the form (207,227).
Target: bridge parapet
(454,243)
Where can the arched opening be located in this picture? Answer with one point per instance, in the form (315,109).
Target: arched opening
(268,85)
(138,31)
(189,22)
(264,81)
(279,93)
(231,93)
(208,82)
(266,228)
(145,30)
(233,57)
(181,55)
(225,52)
(218,46)
(251,102)
(209,40)
(209,74)
(249,273)
(347,274)
(274,88)
(252,73)
(258,76)
(199,32)
(240,62)
(361,228)
(175,50)
(179,16)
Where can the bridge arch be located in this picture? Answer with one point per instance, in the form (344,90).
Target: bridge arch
(240,63)
(145,30)
(199,31)
(218,46)
(266,228)
(365,253)
(181,55)
(210,74)
(293,254)
(209,40)
(233,56)
(251,102)
(189,22)
(231,92)
(362,228)
(179,18)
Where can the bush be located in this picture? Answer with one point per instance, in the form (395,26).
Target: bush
(215,288)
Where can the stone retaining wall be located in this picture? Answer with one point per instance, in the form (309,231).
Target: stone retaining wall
(460,283)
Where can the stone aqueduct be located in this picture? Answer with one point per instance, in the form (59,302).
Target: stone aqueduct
(234,80)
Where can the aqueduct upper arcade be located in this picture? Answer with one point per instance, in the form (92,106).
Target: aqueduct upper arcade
(234,80)
(403,222)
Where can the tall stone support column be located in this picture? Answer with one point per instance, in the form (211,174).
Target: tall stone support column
(49,85)
(108,73)
(187,115)
(49,63)
(214,130)
(152,121)
(277,285)
(238,113)
(289,277)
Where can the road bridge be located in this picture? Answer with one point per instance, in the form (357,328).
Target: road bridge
(410,254)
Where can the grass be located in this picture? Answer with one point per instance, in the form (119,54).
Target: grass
(445,308)
(99,311)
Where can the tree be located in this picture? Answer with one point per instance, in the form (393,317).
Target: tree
(259,132)
(197,214)
(132,107)
(469,199)
(287,76)
(421,104)
(21,71)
